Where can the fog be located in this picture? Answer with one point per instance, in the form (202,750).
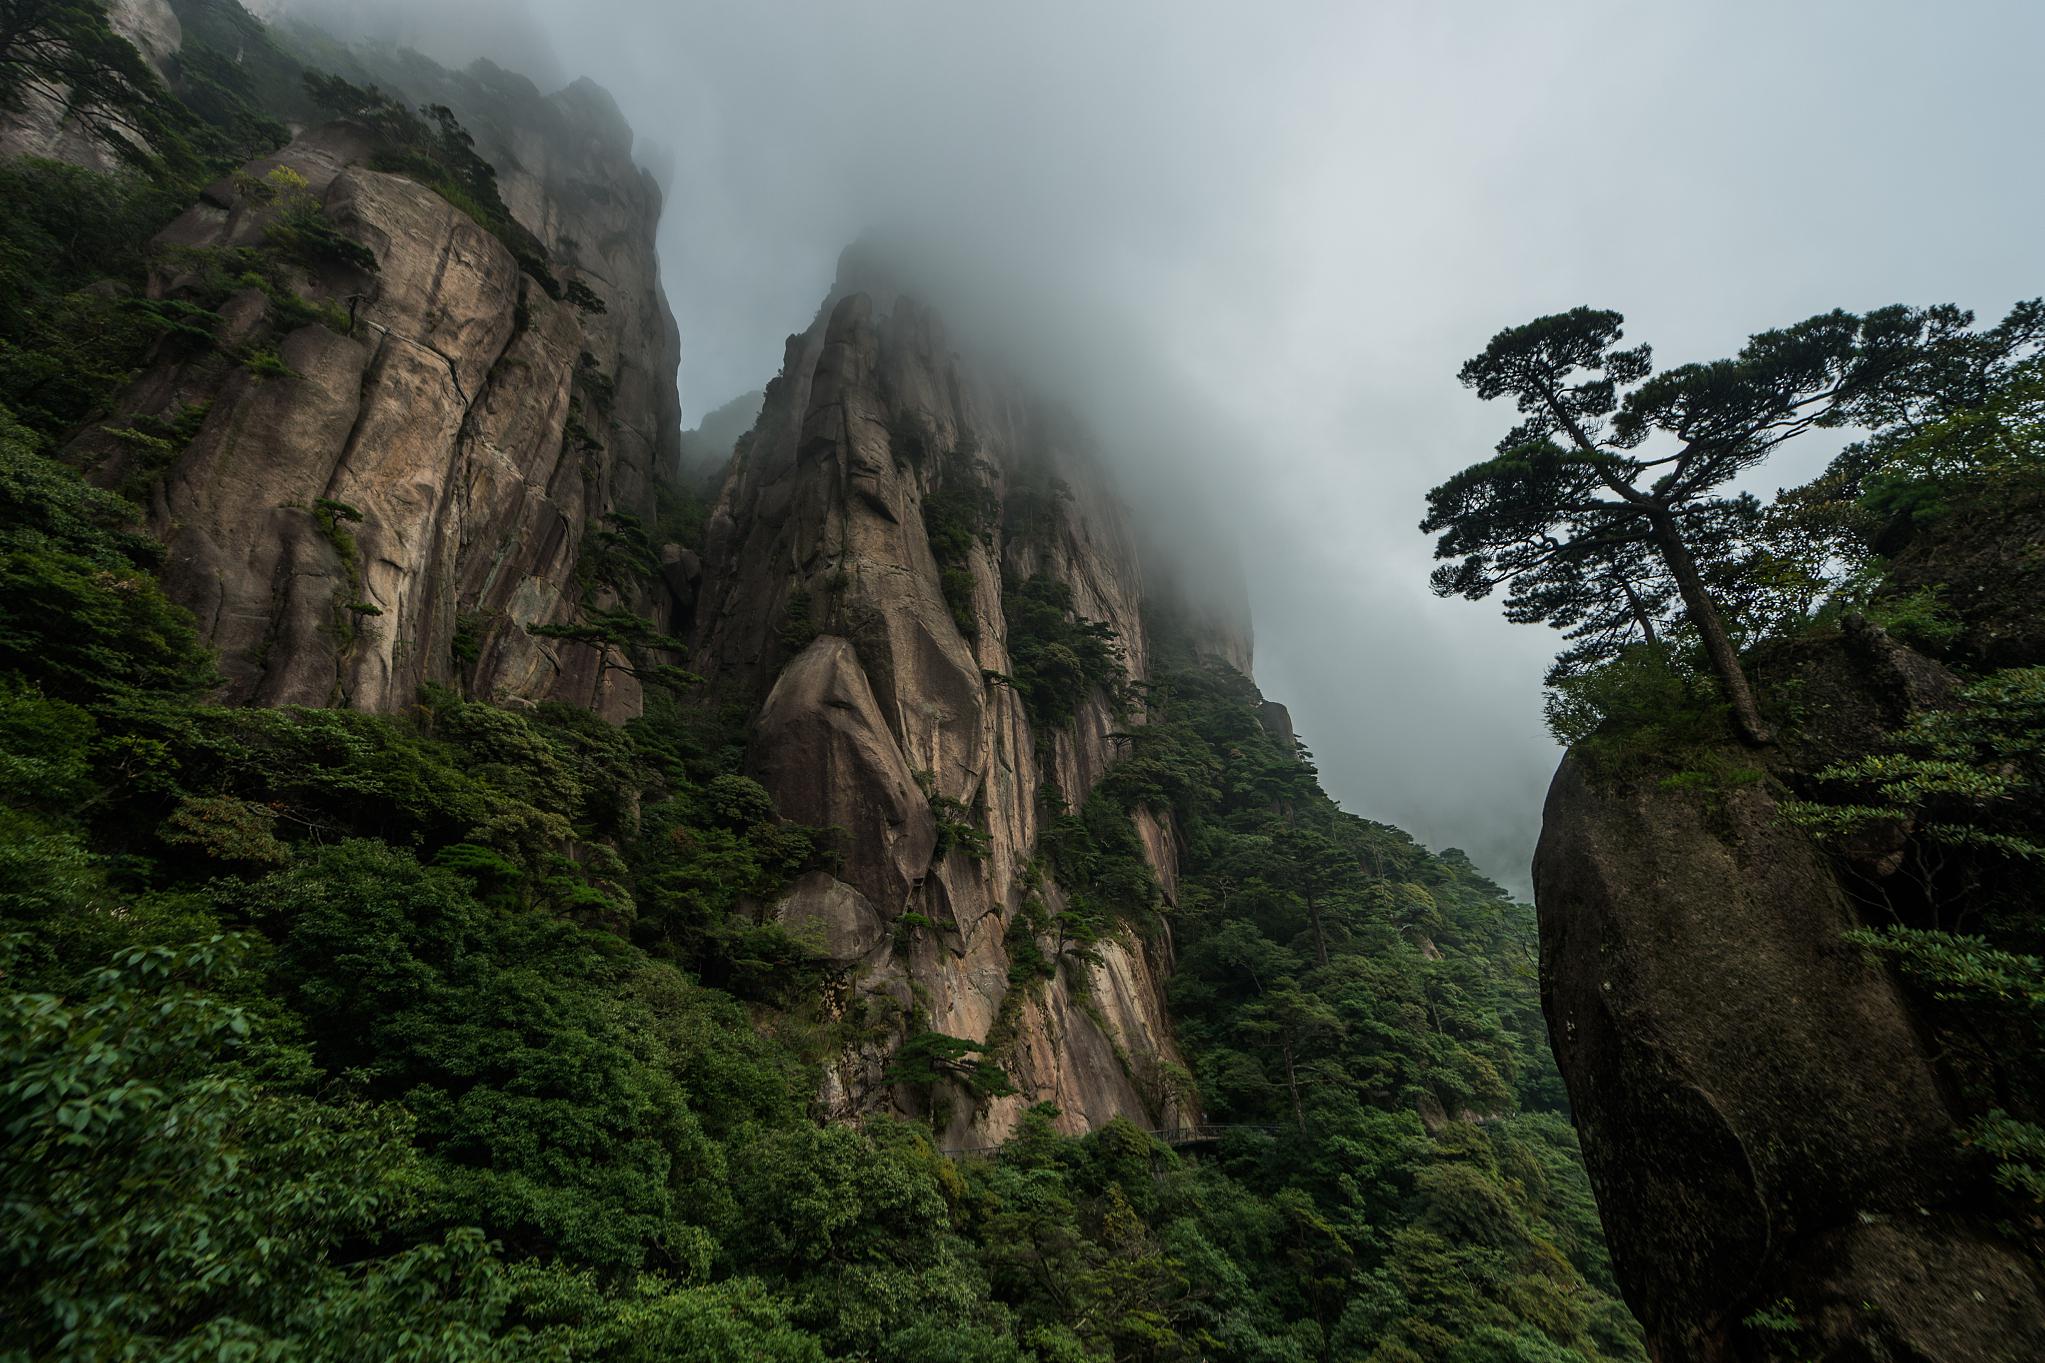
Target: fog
(1258,241)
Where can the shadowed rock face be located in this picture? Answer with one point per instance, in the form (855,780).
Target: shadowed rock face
(448,418)
(46,125)
(1759,1113)
(820,530)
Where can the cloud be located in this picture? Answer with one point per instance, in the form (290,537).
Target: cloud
(1286,226)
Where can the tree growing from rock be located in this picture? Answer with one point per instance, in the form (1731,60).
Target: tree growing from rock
(1607,504)
(66,52)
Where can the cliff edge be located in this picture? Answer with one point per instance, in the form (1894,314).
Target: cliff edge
(1782,1129)
(895,524)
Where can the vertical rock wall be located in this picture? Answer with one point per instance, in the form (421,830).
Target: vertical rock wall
(420,488)
(402,499)
(892,702)
(45,125)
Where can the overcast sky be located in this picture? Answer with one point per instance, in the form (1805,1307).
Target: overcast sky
(1292,222)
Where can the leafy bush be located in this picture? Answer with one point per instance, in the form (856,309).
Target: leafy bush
(163,1202)
(1642,702)
(74,321)
(79,609)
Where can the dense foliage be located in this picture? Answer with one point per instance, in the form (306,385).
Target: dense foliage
(460,1033)
(1372,1006)
(1057,657)
(465,1008)
(429,993)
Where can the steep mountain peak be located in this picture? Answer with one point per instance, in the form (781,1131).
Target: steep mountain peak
(927,577)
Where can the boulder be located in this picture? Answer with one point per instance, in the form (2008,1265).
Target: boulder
(1759,1116)
(837,919)
(823,750)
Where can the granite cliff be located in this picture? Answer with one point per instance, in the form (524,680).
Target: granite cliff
(428,448)
(858,580)
(1783,1132)
(409,476)
(761,889)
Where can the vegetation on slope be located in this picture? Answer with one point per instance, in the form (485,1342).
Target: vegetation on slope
(468,1010)
(1885,614)
(1371,1006)
(458,1034)
(464,1008)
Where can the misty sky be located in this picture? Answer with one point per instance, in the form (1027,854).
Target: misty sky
(1263,238)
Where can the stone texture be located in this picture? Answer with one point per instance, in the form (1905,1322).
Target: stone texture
(1757,1111)
(827,755)
(838,919)
(821,515)
(1765,1116)
(1985,562)
(45,126)
(565,169)
(441,418)
(1277,722)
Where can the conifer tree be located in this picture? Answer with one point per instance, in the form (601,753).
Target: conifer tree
(1607,502)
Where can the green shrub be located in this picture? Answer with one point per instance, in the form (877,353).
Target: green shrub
(1920,620)
(1640,703)
(1056,657)
(79,609)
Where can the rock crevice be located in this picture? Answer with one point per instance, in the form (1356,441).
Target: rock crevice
(887,712)
(412,498)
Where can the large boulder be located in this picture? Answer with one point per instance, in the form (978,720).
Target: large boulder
(826,755)
(1758,1113)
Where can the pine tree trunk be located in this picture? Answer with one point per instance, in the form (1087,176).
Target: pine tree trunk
(1320,938)
(1299,1112)
(1718,646)
(1640,617)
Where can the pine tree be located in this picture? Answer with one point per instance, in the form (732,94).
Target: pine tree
(1606,503)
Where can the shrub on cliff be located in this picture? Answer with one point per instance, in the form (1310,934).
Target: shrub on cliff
(1057,658)
(431,146)
(80,609)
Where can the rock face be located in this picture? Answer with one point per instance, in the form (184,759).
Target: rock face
(415,487)
(422,486)
(880,678)
(1761,1115)
(45,125)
